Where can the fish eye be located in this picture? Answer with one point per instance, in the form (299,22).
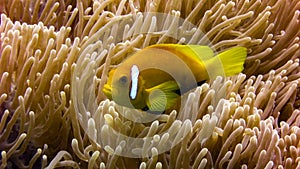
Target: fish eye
(123,80)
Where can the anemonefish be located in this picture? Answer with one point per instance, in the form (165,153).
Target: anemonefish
(154,78)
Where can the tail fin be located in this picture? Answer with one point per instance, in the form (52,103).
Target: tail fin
(233,60)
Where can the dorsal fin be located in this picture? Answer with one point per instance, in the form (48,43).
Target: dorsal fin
(197,52)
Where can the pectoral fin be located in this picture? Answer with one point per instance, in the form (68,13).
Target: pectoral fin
(162,96)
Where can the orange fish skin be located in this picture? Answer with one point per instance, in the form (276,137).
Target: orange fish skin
(166,71)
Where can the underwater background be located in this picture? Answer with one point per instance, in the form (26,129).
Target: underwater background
(54,60)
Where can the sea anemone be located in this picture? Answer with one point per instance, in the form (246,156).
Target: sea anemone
(54,60)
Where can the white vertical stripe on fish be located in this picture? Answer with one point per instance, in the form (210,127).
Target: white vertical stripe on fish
(134,81)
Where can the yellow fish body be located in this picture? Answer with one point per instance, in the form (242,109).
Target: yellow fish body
(154,78)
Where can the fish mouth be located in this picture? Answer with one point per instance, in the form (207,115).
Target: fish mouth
(107,91)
